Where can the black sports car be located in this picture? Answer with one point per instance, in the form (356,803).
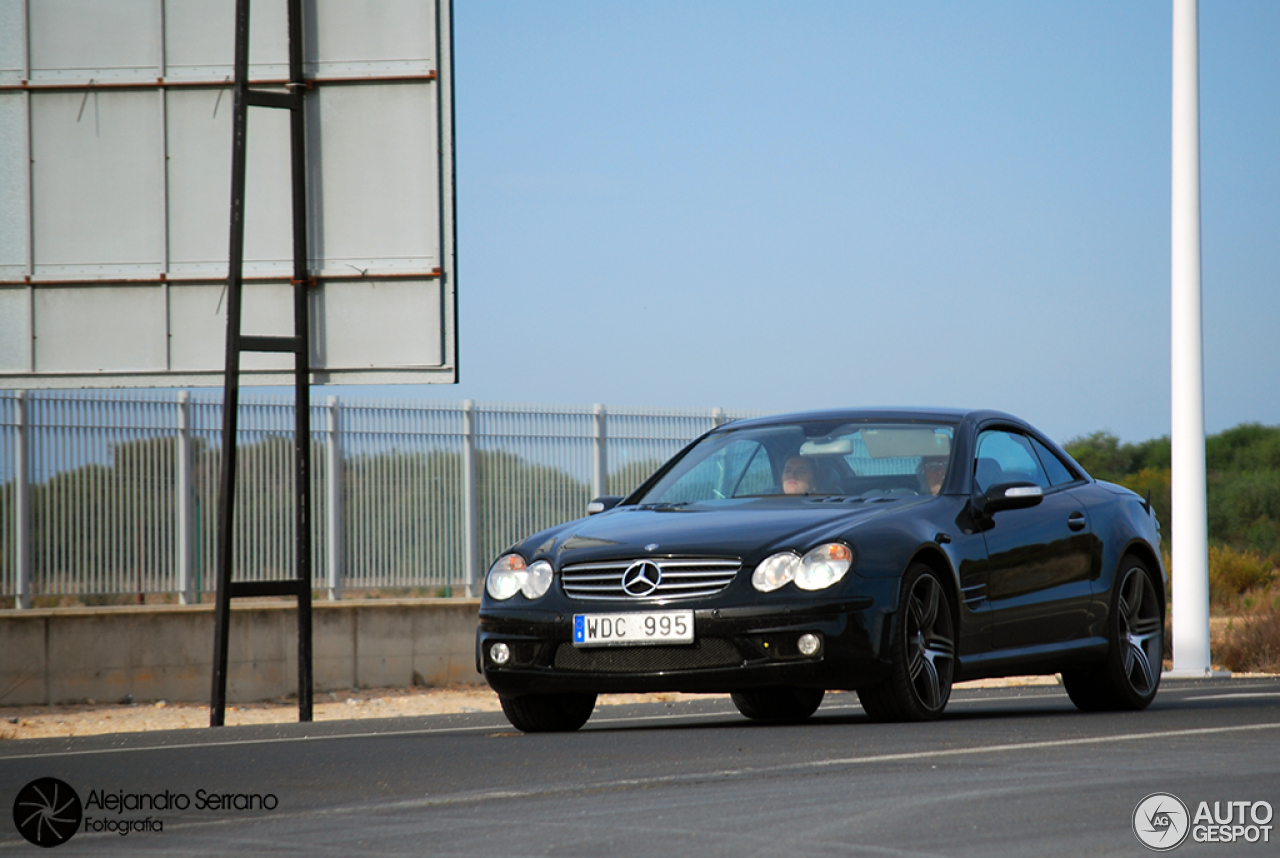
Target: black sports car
(891,552)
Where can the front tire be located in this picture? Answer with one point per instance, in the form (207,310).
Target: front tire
(1130,677)
(922,654)
(786,704)
(548,713)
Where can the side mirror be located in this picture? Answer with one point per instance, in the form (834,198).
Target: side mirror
(603,503)
(1019,495)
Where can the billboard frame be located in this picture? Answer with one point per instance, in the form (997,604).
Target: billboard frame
(394,264)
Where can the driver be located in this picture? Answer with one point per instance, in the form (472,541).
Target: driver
(797,476)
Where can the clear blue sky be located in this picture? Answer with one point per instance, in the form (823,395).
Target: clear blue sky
(793,205)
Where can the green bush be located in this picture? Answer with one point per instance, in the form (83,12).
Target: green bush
(1242,481)
(1244,508)
(1247,447)
(1233,574)
(1238,580)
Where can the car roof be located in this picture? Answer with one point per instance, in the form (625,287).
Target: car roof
(940,415)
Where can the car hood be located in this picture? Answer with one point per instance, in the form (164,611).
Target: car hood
(737,528)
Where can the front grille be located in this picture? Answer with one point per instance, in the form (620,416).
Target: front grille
(708,652)
(682,578)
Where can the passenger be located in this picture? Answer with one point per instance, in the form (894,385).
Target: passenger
(797,476)
(932,472)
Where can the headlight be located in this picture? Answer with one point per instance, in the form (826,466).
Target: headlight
(823,566)
(776,571)
(509,575)
(539,580)
(820,568)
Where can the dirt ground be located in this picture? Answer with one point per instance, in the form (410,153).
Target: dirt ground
(92,718)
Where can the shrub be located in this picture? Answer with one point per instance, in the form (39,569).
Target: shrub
(1236,578)
(1233,573)
(1252,643)
(1247,447)
(1244,509)
(1102,455)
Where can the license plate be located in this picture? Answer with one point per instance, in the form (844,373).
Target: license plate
(650,627)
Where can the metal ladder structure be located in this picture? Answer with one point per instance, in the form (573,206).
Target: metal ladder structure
(292,99)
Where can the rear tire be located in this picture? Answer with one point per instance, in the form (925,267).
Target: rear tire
(1129,678)
(548,713)
(922,654)
(784,704)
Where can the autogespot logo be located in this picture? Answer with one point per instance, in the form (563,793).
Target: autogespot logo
(47,812)
(1160,821)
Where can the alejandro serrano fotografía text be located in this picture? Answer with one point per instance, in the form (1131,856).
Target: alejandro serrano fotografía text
(147,802)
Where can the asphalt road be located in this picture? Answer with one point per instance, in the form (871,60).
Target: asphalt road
(1013,771)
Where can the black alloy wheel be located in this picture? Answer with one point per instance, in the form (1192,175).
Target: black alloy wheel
(1130,676)
(548,713)
(923,654)
(786,704)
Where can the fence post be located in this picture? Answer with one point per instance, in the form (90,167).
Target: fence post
(337,518)
(717,416)
(21,512)
(470,496)
(182,486)
(599,458)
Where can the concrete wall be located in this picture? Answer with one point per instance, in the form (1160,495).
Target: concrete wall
(166,652)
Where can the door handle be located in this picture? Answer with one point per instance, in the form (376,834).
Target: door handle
(1076,521)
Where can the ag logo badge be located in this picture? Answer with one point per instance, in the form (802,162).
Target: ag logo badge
(1161,821)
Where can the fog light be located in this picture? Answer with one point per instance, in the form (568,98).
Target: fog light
(808,643)
(500,653)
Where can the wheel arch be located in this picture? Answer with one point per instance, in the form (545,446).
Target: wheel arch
(933,557)
(1147,555)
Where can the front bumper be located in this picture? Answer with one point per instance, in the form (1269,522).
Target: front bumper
(734,649)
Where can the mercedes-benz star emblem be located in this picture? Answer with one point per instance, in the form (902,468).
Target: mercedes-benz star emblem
(641,578)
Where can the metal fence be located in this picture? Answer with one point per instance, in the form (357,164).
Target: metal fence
(110,494)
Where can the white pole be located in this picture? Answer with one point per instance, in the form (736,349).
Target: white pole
(186,519)
(471,500)
(337,516)
(21,502)
(1191,554)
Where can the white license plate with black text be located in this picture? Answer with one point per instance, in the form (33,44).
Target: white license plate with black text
(649,627)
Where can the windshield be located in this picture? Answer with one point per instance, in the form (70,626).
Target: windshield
(855,459)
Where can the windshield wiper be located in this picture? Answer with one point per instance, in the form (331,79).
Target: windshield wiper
(817,495)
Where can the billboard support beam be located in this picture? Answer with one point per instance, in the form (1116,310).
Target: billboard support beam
(299,344)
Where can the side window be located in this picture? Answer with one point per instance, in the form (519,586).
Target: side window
(1006,457)
(1059,473)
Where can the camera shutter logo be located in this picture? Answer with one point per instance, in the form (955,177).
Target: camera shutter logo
(1161,822)
(47,812)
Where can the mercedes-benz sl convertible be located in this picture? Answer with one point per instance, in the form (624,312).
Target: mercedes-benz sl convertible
(889,552)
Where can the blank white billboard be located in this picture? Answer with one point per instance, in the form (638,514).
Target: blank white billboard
(115,191)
